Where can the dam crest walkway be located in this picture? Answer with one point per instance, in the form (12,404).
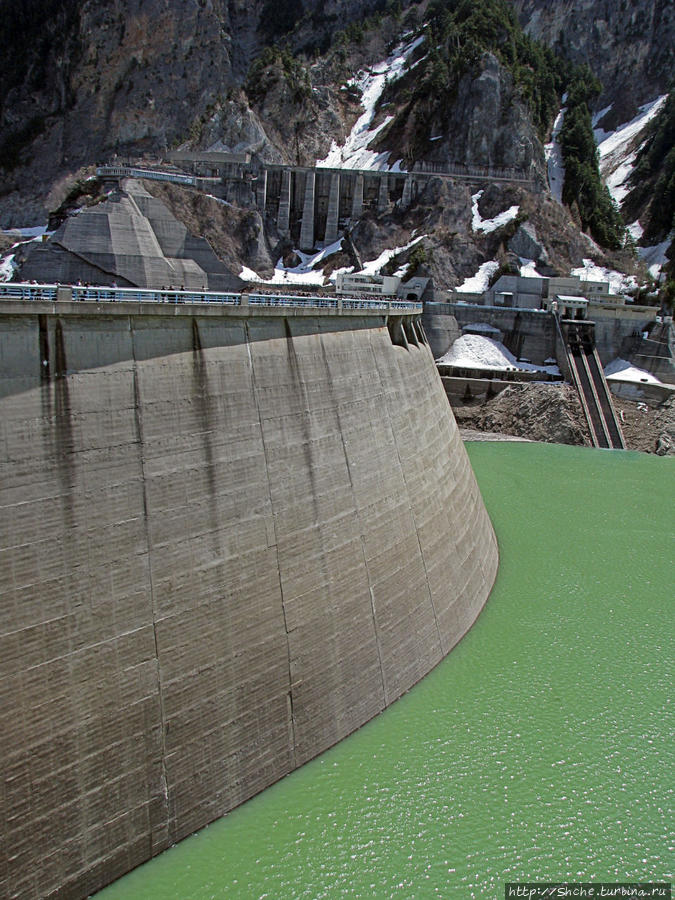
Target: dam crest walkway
(316,304)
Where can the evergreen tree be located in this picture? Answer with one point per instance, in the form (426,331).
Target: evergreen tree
(583,189)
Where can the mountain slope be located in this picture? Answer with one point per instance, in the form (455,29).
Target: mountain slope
(445,83)
(629,45)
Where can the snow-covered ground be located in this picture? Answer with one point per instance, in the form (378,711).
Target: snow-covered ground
(654,256)
(374,266)
(618,282)
(19,236)
(7,267)
(621,370)
(528,268)
(480,281)
(307,271)
(219,200)
(488,225)
(635,230)
(473,351)
(302,274)
(617,150)
(26,234)
(554,160)
(354,153)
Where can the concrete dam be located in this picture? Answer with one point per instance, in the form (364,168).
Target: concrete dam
(229,537)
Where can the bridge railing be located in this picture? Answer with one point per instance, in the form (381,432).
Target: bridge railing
(20,291)
(152,174)
(291,300)
(10,290)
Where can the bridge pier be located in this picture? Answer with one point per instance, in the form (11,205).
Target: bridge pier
(307,226)
(407,193)
(357,198)
(283,218)
(383,196)
(261,191)
(333,210)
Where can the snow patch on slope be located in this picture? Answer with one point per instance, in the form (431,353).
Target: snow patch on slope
(354,153)
(554,159)
(618,282)
(480,281)
(473,351)
(622,370)
(303,273)
(489,225)
(528,268)
(655,256)
(7,268)
(374,266)
(618,150)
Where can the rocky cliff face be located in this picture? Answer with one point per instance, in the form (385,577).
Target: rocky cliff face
(127,77)
(485,123)
(118,77)
(629,44)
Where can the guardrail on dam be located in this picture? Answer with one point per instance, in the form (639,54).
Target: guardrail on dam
(17,290)
(229,537)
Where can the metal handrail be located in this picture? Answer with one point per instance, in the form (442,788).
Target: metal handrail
(11,290)
(152,174)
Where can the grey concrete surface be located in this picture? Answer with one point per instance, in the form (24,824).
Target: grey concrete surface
(130,239)
(226,542)
(527,333)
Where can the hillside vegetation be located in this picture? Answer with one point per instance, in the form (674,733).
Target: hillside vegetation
(583,190)
(654,175)
(459,32)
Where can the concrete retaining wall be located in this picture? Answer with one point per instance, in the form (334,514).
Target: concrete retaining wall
(527,333)
(616,328)
(225,544)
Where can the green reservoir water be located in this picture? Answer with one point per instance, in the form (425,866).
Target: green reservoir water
(540,749)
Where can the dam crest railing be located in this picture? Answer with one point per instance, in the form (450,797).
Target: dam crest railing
(59,292)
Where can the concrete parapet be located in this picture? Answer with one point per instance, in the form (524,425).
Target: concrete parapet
(228,541)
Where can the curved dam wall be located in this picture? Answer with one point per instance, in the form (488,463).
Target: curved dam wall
(226,542)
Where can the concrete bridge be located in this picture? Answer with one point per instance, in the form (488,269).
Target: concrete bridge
(309,204)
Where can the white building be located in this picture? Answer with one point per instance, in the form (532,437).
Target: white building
(537,293)
(380,285)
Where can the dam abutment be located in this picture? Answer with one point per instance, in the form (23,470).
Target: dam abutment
(228,539)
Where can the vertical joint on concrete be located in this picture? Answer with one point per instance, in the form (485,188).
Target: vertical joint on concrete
(159,841)
(291,712)
(44,348)
(60,364)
